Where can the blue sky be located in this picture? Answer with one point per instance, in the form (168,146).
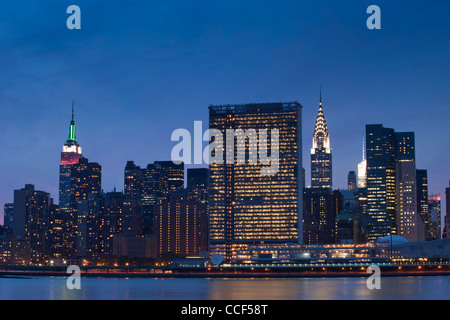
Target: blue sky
(140,69)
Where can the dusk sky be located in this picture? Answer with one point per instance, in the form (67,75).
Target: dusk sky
(138,70)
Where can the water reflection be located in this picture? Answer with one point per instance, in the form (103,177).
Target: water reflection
(54,288)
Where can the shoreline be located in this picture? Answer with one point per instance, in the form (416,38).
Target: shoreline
(25,274)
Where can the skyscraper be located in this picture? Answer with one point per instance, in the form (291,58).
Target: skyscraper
(181,224)
(321,158)
(198,180)
(246,206)
(392,185)
(8,215)
(171,176)
(422,200)
(321,206)
(381,196)
(351,179)
(70,155)
(31,209)
(446,233)
(85,179)
(147,184)
(410,224)
(133,180)
(434,217)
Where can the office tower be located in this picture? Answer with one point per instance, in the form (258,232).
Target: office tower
(30,218)
(351,179)
(198,181)
(55,230)
(321,207)
(133,180)
(85,179)
(113,221)
(147,184)
(321,159)
(69,156)
(181,225)
(392,185)
(171,176)
(422,200)
(381,187)
(434,220)
(8,215)
(348,228)
(410,224)
(248,204)
(103,216)
(151,190)
(446,233)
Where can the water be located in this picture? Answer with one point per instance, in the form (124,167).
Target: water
(54,288)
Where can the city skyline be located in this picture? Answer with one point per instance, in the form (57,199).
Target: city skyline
(371,78)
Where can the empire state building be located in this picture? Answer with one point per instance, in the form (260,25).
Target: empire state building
(70,155)
(321,159)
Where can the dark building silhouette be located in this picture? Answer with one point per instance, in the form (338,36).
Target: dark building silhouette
(352,180)
(446,231)
(422,201)
(147,184)
(434,217)
(198,181)
(8,215)
(31,209)
(321,207)
(181,224)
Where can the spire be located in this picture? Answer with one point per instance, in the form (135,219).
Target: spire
(320,95)
(72,135)
(364,148)
(73,110)
(321,138)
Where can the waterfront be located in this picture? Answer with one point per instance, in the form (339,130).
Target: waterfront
(392,288)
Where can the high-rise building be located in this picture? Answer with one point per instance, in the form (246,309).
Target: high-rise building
(31,209)
(446,232)
(56,231)
(70,155)
(198,181)
(434,217)
(85,179)
(133,180)
(410,224)
(171,176)
(181,224)
(351,181)
(422,200)
(381,187)
(245,205)
(321,157)
(392,205)
(8,215)
(147,184)
(321,207)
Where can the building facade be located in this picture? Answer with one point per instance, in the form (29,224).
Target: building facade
(246,206)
